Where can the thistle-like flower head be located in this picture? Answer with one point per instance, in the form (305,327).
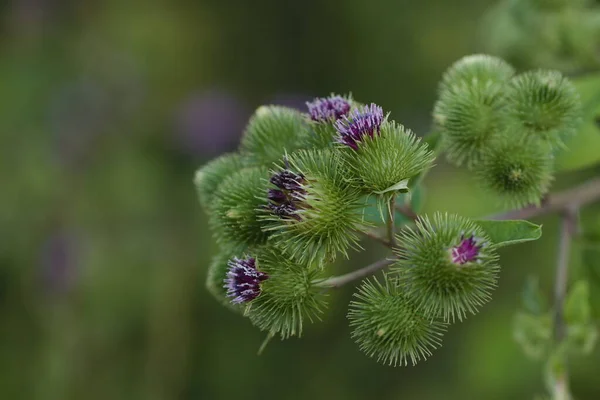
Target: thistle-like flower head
(329,108)
(365,121)
(243,280)
(466,251)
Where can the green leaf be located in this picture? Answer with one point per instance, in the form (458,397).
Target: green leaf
(582,150)
(401,187)
(577,306)
(533,333)
(505,233)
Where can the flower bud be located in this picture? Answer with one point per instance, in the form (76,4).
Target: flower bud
(388,326)
(209,177)
(288,297)
(237,209)
(542,106)
(312,212)
(447,266)
(477,70)
(519,173)
(271,132)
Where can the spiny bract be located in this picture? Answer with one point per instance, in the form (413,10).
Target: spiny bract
(519,173)
(212,174)
(382,162)
(237,208)
(289,297)
(542,105)
(388,326)
(476,70)
(271,132)
(468,119)
(447,266)
(323,217)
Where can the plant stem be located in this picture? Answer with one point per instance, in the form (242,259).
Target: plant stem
(566,201)
(376,237)
(406,211)
(568,227)
(585,193)
(341,280)
(391,227)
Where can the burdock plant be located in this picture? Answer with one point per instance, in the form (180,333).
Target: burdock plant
(296,197)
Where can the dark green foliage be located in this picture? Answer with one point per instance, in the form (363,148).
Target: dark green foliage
(271,132)
(387,325)
(519,173)
(430,278)
(212,174)
(330,214)
(542,105)
(289,297)
(237,208)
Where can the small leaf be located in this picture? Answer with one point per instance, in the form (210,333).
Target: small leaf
(401,187)
(577,306)
(582,338)
(533,333)
(505,233)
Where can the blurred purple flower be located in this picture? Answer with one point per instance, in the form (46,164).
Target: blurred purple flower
(210,123)
(58,261)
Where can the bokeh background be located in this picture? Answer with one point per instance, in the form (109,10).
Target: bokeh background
(106,110)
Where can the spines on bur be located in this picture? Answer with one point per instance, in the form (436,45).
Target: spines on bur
(211,175)
(389,327)
(447,266)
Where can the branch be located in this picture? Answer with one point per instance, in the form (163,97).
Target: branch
(585,193)
(378,238)
(341,280)
(568,227)
(406,211)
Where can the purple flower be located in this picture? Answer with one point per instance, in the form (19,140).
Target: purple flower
(362,122)
(287,180)
(284,201)
(328,109)
(466,251)
(243,280)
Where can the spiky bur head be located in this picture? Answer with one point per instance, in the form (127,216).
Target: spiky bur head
(468,118)
(271,132)
(313,213)
(387,325)
(289,297)
(323,113)
(447,266)
(243,280)
(211,175)
(476,70)
(542,106)
(381,163)
(519,173)
(237,209)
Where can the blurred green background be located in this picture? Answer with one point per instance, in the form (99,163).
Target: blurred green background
(108,107)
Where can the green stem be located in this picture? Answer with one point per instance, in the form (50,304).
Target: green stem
(391,227)
(341,280)
(568,227)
